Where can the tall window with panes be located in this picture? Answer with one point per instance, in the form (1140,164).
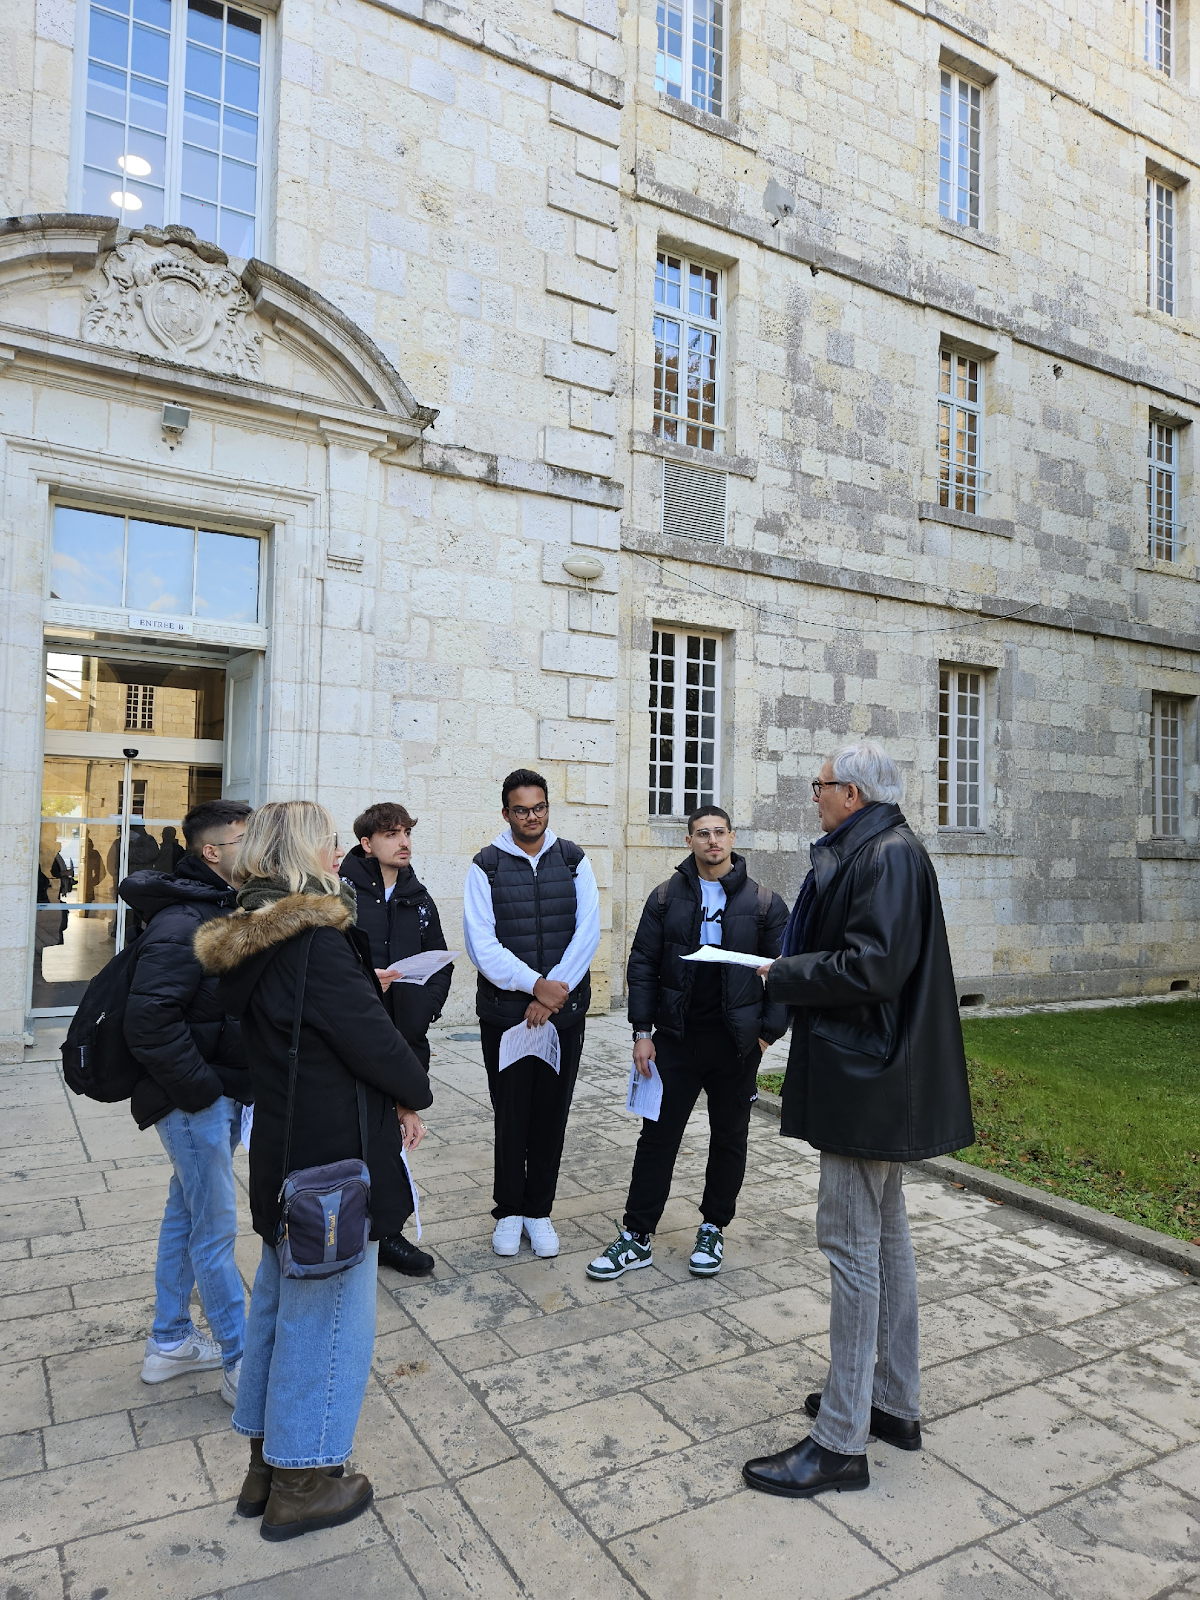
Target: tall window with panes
(688,328)
(960,432)
(1160,246)
(1162,493)
(689,63)
(960,152)
(173,120)
(1166,740)
(685,709)
(960,748)
(1158,33)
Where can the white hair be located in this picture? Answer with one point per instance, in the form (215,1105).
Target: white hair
(869,766)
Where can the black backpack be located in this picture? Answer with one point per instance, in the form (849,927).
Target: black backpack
(489,858)
(96,1060)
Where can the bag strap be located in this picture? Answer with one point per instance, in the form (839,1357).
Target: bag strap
(764,904)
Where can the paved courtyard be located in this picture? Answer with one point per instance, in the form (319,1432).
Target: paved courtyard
(533,1434)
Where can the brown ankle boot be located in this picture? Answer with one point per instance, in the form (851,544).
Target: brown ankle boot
(304,1499)
(256,1488)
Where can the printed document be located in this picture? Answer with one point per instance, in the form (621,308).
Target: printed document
(521,1041)
(733,958)
(645,1094)
(412,1184)
(421,967)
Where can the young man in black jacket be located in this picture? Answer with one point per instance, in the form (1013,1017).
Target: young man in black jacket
(195,1084)
(398,916)
(712,1024)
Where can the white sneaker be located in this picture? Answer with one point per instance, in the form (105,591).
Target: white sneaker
(229,1383)
(506,1236)
(197,1353)
(542,1237)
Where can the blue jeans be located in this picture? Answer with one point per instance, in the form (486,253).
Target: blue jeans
(308,1357)
(199,1226)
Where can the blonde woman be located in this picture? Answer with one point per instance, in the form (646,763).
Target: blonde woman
(309,1341)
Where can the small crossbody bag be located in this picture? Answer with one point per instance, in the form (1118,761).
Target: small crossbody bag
(326,1221)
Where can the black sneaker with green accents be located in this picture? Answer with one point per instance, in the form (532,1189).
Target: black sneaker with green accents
(623,1255)
(705,1259)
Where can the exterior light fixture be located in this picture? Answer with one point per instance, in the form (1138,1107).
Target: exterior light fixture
(174,423)
(585,567)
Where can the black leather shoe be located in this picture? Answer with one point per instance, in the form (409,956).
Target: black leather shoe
(900,1431)
(806,1469)
(403,1256)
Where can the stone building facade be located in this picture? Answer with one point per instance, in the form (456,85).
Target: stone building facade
(393,393)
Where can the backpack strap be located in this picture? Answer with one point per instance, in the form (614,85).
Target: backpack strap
(571,853)
(488,861)
(661,893)
(764,904)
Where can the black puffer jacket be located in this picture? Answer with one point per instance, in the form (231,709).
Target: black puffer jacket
(402,926)
(345,1035)
(174,1023)
(876,1067)
(660,981)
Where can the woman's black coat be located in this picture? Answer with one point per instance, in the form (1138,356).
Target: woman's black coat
(876,1067)
(345,1035)
(660,982)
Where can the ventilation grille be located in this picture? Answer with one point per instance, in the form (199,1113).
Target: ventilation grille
(693,503)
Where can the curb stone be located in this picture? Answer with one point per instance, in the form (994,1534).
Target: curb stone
(1087,1220)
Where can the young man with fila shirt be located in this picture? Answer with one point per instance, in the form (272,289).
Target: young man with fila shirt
(531,921)
(710,1026)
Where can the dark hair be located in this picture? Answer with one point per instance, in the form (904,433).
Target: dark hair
(207,818)
(709,811)
(383,817)
(522,778)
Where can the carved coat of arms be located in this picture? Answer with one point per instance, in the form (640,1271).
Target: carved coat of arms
(158,295)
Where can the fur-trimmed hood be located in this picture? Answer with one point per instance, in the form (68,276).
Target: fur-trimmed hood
(227,943)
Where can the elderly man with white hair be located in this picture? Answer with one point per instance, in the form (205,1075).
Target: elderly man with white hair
(876,1076)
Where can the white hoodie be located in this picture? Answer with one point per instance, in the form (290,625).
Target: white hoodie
(500,966)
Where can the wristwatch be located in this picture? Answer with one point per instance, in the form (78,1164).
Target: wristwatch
(641,1034)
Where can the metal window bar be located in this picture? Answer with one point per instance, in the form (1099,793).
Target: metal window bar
(1165,742)
(662,724)
(1158,34)
(960,150)
(689,61)
(961,477)
(1160,247)
(687,352)
(1162,498)
(685,694)
(960,748)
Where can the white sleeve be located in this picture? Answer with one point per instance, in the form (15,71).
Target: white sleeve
(577,957)
(498,965)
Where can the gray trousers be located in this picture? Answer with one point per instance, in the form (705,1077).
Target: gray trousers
(862,1227)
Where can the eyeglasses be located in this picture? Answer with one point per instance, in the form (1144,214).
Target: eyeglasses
(707,837)
(523,813)
(819,783)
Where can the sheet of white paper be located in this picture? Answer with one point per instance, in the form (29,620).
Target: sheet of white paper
(247,1124)
(733,958)
(421,967)
(645,1094)
(521,1041)
(412,1184)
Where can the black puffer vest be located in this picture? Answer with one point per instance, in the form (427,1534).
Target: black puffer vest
(535,919)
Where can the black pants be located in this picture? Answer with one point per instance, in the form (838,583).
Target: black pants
(531,1102)
(705,1058)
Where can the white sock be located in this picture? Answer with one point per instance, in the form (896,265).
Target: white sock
(166,1349)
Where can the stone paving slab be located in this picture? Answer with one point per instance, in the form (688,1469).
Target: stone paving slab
(533,1434)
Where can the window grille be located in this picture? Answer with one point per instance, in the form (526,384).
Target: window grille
(172,127)
(960,749)
(693,503)
(685,695)
(959,150)
(1160,247)
(688,319)
(139,707)
(1166,723)
(1162,497)
(1158,34)
(689,64)
(137,802)
(960,407)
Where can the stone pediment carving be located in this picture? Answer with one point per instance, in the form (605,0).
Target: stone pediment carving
(160,295)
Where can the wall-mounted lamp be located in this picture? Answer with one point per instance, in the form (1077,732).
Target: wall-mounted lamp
(174,423)
(586,567)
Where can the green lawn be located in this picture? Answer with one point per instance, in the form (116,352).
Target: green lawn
(1100,1106)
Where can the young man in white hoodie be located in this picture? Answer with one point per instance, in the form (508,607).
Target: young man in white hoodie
(531,921)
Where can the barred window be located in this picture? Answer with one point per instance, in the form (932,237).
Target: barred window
(685,698)
(139,707)
(1160,246)
(959,154)
(960,749)
(1162,494)
(688,318)
(960,397)
(689,63)
(1166,723)
(1158,34)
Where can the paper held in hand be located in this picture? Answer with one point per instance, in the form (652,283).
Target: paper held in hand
(521,1041)
(412,1184)
(421,967)
(645,1094)
(732,958)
